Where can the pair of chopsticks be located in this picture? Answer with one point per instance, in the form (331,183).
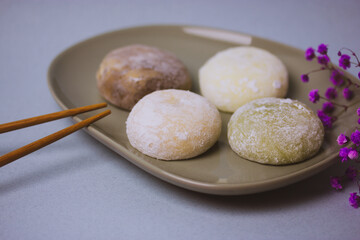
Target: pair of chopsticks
(31,147)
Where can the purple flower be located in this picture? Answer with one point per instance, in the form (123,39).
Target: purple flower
(353,154)
(343,153)
(339,53)
(354,200)
(358,111)
(325,119)
(310,54)
(351,173)
(359,121)
(314,95)
(359,74)
(335,183)
(322,49)
(331,93)
(328,107)
(305,78)
(347,93)
(355,137)
(344,61)
(323,60)
(342,139)
(336,77)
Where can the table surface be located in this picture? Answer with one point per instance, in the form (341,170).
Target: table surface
(77,188)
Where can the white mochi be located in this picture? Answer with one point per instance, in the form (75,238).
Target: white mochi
(239,75)
(173,124)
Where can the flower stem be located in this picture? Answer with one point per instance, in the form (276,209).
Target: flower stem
(335,103)
(317,70)
(353,53)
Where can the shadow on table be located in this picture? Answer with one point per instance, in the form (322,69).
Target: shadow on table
(314,188)
(41,166)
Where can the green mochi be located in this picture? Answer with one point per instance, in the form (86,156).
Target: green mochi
(275,131)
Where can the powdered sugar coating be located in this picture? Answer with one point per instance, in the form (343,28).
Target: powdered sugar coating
(173,124)
(238,75)
(275,131)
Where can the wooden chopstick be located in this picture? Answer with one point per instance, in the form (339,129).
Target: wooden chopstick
(6,127)
(31,147)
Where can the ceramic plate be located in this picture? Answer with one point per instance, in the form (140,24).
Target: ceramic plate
(72,82)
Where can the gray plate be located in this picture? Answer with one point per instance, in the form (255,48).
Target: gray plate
(72,82)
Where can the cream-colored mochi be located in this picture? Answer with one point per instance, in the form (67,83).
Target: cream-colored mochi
(275,131)
(173,124)
(239,75)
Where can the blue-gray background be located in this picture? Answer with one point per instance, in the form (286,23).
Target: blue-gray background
(78,189)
